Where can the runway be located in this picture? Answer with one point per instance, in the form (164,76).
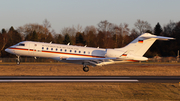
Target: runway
(125,79)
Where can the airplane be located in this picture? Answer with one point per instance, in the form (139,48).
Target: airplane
(87,56)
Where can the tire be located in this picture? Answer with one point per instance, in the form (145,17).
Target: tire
(85,69)
(17,62)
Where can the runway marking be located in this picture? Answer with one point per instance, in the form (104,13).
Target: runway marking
(68,80)
(130,79)
(21,77)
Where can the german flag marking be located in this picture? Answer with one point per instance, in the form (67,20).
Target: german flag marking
(124,55)
(140,41)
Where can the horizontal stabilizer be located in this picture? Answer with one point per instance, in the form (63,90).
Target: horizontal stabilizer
(146,35)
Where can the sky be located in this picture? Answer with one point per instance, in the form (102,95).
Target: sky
(68,13)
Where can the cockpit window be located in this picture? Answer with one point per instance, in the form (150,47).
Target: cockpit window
(21,44)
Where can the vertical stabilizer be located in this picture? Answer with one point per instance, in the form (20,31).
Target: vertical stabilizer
(141,44)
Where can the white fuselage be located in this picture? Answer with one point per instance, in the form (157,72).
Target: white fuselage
(48,50)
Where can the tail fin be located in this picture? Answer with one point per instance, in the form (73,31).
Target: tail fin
(141,44)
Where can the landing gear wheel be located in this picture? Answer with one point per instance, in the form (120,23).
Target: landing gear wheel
(85,69)
(18,60)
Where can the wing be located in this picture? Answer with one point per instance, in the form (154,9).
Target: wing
(71,58)
(87,61)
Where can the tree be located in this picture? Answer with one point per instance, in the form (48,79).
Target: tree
(34,36)
(142,26)
(103,26)
(106,31)
(164,48)
(88,29)
(10,38)
(90,36)
(157,29)
(124,30)
(101,39)
(68,30)
(71,31)
(59,39)
(79,39)
(1,43)
(91,39)
(134,34)
(13,37)
(46,24)
(50,38)
(79,28)
(66,39)
(156,48)
(170,48)
(42,31)
(168,29)
(175,45)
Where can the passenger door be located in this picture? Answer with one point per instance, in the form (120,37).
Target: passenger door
(32,49)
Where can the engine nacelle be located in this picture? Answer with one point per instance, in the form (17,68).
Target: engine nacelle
(113,53)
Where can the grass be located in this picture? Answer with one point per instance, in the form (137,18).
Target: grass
(89,91)
(59,69)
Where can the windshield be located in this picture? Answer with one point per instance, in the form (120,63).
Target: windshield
(20,44)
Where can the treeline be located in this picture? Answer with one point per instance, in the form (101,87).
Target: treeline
(106,35)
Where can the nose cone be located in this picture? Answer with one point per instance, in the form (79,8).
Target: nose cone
(9,50)
(6,49)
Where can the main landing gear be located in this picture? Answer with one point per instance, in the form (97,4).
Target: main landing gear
(18,60)
(85,68)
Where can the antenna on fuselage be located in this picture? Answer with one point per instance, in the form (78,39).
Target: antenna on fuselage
(68,43)
(97,47)
(51,42)
(85,45)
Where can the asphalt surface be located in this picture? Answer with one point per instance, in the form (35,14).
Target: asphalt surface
(125,79)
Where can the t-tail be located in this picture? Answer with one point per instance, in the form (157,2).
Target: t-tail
(138,47)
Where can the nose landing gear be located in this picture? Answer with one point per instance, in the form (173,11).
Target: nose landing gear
(18,60)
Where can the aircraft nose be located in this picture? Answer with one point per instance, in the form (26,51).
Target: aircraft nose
(7,50)
(10,50)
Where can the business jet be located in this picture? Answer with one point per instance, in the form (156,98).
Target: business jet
(87,56)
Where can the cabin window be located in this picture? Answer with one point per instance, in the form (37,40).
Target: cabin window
(65,50)
(79,51)
(70,50)
(88,52)
(75,51)
(51,48)
(21,44)
(56,49)
(46,48)
(42,47)
(84,52)
(60,49)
